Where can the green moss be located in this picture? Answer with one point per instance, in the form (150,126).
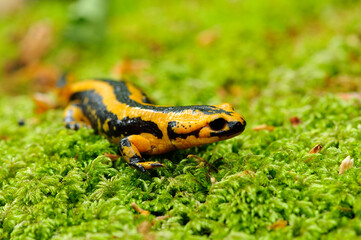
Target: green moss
(271,60)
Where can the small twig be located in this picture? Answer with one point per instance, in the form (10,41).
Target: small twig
(264,127)
(139,210)
(112,157)
(159,218)
(195,179)
(202,162)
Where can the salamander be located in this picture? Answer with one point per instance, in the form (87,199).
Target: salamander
(126,117)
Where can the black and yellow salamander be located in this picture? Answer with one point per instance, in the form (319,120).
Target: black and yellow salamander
(126,117)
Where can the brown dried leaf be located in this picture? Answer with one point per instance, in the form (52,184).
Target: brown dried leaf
(43,77)
(295,121)
(12,66)
(344,209)
(36,42)
(129,67)
(68,57)
(344,83)
(349,96)
(247,172)
(112,157)
(34,77)
(316,149)
(277,225)
(272,37)
(222,92)
(139,210)
(353,40)
(236,90)
(43,103)
(159,218)
(149,236)
(34,121)
(3,137)
(8,7)
(207,37)
(346,164)
(264,127)
(144,227)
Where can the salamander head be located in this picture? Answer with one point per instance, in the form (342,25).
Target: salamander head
(206,124)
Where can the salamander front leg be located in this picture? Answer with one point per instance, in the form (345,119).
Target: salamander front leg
(74,118)
(131,147)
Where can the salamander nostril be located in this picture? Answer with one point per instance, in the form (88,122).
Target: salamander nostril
(236,127)
(243,126)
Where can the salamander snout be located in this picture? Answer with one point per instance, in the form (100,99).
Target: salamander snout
(230,129)
(236,127)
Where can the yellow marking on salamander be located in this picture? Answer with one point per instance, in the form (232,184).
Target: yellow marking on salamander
(106,126)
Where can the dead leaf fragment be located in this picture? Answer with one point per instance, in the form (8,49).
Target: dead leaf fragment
(277,225)
(112,157)
(34,121)
(8,7)
(316,149)
(295,121)
(344,209)
(42,78)
(5,138)
(353,40)
(144,227)
(139,210)
(264,127)
(349,96)
(129,67)
(159,218)
(43,103)
(346,164)
(11,66)
(343,83)
(36,42)
(207,37)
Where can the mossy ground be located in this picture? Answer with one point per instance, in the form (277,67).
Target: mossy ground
(272,60)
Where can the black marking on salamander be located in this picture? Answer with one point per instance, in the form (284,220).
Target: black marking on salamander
(172,135)
(135,159)
(133,126)
(234,128)
(124,143)
(123,127)
(146,99)
(122,94)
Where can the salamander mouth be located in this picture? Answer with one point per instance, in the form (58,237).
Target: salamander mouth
(235,128)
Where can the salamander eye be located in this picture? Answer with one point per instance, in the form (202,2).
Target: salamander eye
(217,124)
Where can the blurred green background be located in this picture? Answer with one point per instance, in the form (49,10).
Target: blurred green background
(213,47)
